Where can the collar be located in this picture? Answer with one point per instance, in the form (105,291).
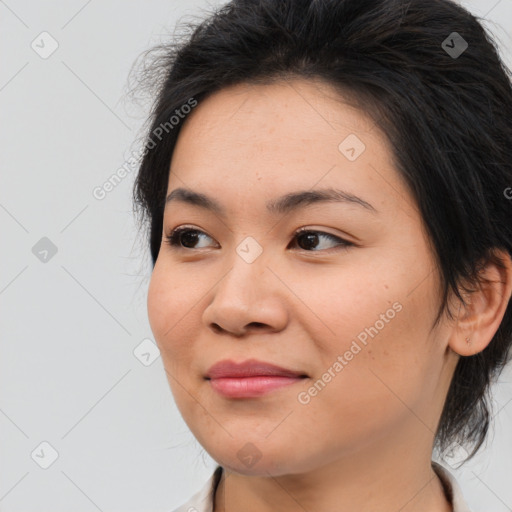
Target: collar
(451,488)
(202,501)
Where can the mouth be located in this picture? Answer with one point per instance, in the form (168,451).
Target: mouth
(251,378)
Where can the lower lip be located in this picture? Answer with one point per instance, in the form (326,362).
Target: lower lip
(248,387)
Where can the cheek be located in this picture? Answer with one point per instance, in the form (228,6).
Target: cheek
(381,331)
(371,392)
(170,304)
(345,303)
(159,303)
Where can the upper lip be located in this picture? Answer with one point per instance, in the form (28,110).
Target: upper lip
(249,368)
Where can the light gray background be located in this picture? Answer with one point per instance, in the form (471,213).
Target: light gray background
(69,326)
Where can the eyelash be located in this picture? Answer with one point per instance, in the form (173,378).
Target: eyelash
(173,238)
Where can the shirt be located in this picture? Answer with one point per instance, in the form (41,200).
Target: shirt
(203,500)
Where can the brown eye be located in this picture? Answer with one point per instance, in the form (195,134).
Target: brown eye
(184,237)
(308,239)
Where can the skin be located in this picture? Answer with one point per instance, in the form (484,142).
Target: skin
(364,442)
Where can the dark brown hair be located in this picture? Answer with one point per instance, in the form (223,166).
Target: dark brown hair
(445,108)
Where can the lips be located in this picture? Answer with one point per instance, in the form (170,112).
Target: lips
(250,379)
(249,368)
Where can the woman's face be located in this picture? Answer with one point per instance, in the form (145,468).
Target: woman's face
(350,305)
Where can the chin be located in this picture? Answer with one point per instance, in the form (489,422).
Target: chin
(258,458)
(267,467)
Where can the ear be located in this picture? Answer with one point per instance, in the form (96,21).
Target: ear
(480,318)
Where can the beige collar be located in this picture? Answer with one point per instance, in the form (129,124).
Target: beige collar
(202,501)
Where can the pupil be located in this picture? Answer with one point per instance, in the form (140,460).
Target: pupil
(192,235)
(312,239)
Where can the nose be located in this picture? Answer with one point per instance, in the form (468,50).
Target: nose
(248,298)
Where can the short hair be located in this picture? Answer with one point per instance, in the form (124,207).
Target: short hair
(432,79)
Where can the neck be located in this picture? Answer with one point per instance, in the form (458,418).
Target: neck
(385,478)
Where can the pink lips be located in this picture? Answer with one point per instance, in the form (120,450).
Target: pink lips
(251,378)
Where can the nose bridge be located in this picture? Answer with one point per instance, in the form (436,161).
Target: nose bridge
(247,270)
(245,295)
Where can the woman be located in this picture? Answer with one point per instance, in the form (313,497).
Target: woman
(325,189)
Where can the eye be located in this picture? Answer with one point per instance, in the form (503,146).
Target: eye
(311,237)
(185,237)
(184,234)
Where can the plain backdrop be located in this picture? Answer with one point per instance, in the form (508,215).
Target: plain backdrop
(87,420)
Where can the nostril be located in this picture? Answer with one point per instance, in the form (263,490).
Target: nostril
(256,324)
(217,328)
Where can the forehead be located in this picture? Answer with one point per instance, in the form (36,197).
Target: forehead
(247,140)
(283,111)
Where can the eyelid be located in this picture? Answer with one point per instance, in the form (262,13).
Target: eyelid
(322,230)
(183,227)
(342,242)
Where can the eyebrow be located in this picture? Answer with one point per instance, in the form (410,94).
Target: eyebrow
(280,206)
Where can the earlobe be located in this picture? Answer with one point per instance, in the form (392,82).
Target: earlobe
(478,320)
